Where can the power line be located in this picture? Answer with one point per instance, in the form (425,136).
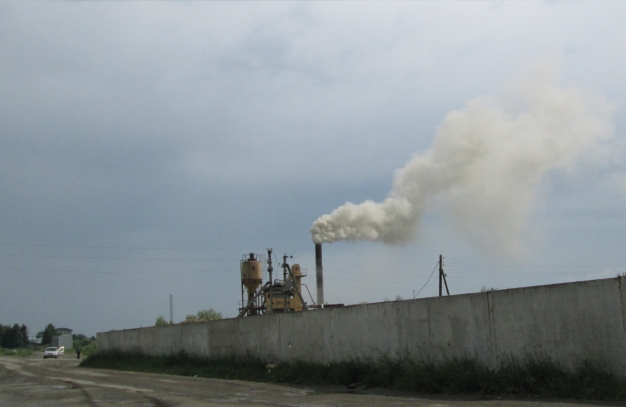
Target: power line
(367,281)
(395,275)
(119,247)
(431,274)
(109,258)
(525,266)
(10,269)
(364,265)
(526,274)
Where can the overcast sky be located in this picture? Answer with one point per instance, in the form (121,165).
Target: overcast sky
(145,147)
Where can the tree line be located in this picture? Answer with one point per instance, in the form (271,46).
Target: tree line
(15,336)
(202,315)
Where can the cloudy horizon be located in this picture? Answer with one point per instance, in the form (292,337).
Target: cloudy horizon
(147,146)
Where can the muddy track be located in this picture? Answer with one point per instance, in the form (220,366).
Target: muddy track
(36,382)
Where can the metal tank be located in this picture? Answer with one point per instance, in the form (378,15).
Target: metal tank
(251,278)
(275,295)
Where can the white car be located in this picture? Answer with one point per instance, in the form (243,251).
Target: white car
(53,352)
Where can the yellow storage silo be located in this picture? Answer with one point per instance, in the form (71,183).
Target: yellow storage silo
(251,279)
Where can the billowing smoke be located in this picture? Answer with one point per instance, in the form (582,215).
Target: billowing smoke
(483,168)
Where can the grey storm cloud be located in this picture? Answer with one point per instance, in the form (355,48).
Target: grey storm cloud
(145,146)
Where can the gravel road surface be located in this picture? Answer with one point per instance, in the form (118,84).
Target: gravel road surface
(60,382)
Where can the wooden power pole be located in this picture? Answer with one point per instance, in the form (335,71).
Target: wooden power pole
(442,277)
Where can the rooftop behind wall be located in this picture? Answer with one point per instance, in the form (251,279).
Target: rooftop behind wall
(570,322)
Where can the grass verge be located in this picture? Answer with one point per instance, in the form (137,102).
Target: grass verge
(532,376)
(19,352)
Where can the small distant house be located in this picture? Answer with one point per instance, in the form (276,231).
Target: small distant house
(63,338)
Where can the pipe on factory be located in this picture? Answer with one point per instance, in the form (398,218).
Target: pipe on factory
(319,271)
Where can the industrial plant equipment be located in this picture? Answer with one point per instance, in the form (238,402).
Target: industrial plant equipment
(251,278)
(275,295)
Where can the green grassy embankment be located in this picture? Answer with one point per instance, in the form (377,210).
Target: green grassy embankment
(530,377)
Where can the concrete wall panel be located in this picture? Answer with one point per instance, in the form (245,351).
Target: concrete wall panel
(130,339)
(223,338)
(195,339)
(622,289)
(260,336)
(460,326)
(413,315)
(350,331)
(361,331)
(304,336)
(569,322)
(149,339)
(169,339)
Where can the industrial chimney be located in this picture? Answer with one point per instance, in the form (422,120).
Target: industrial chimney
(319,271)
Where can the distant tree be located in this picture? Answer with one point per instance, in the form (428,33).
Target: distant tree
(48,333)
(209,314)
(9,338)
(3,329)
(204,314)
(23,336)
(160,321)
(81,341)
(484,289)
(14,337)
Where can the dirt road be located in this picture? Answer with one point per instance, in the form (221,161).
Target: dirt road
(37,382)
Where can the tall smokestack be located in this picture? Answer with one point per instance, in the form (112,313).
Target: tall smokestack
(319,272)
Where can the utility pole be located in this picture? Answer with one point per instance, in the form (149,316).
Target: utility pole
(442,277)
(440,273)
(171,309)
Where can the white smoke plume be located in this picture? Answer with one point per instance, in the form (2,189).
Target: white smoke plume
(484,167)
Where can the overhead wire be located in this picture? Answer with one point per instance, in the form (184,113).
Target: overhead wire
(476,268)
(12,269)
(524,266)
(386,267)
(119,247)
(366,281)
(487,267)
(426,283)
(109,258)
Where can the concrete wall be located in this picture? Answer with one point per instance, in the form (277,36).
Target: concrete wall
(569,322)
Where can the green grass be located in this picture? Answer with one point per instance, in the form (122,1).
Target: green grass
(19,352)
(530,376)
(89,349)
